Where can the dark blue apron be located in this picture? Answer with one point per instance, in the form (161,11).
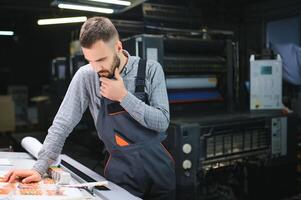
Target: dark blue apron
(138,161)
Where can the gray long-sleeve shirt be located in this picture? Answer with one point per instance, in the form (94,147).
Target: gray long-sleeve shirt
(84,91)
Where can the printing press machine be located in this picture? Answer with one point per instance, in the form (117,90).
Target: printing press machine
(79,174)
(220,152)
(199,72)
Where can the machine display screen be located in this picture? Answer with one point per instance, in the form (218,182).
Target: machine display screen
(266,70)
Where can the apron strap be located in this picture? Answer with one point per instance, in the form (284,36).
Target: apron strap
(140,81)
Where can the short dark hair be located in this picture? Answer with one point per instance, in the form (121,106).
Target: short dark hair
(97,28)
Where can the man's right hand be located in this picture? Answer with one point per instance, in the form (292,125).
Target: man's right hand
(26,176)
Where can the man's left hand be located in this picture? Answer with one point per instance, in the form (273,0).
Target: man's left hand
(113,89)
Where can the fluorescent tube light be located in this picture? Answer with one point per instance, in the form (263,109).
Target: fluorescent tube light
(8,33)
(117,2)
(86,8)
(61,20)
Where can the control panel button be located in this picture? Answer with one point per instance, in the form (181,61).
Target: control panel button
(187,148)
(187,164)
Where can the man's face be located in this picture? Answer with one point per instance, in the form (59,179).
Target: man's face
(103,58)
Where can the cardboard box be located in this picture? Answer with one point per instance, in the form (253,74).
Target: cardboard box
(7,114)
(19,95)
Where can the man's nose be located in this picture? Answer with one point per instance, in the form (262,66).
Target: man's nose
(96,66)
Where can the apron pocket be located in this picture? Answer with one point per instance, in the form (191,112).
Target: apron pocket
(122,140)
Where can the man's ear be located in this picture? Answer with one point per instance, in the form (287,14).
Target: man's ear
(119,46)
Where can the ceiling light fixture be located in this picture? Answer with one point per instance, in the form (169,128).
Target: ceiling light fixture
(61,20)
(7,33)
(86,8)
(117,2)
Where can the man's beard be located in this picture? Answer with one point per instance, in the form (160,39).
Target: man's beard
(107,73)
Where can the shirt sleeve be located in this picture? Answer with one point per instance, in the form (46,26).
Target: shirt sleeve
(69,114)
(156,115)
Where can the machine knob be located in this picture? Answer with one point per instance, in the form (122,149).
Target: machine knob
(186,148)
(187,164)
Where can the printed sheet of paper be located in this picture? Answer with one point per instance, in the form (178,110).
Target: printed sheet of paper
(45,189)
(4,161)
